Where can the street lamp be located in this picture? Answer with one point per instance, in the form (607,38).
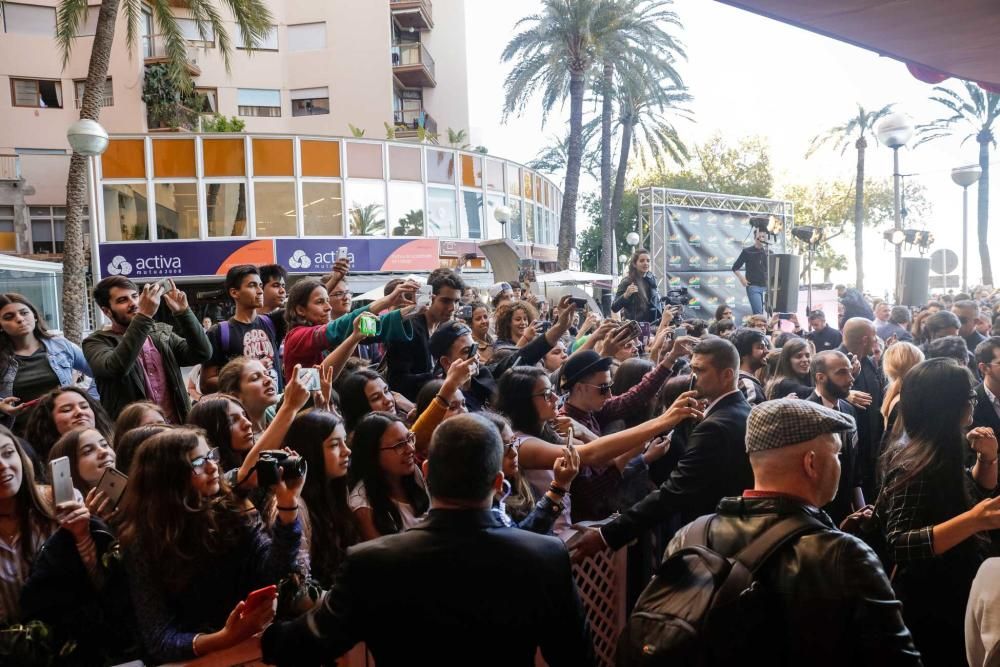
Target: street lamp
(502,214)
(633,239)
(87,138)
(964,177)
(894,131)
(623,260)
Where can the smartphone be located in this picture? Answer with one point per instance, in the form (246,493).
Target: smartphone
(682,330)
(646,329)
(369,326)
(62,480)
(542,326)
(424,296)
(784,316)
(29,404)
(472,351)
(112,484)
(309,378)
(260,597)
(692,382)
(578,302)
(167,284)
(342,253)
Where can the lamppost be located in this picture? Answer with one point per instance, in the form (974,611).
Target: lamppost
(633,239)
(87,138)
(894,131)
(502,214)
(964,177)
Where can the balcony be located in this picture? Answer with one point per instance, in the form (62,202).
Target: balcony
(412,14)
(154,50)
(412,65)
(10,167)
(408,122)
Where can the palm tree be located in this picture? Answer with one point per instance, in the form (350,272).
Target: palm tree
(254,21)
(859,126)
(552,158)
(554,52)
(411,224)
(977,112)
(629,33)
(459,139)
(366,220)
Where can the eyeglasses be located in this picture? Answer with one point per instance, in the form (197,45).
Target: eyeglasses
(198,464)
(549,394)
(509,448)
(403,445)
(340,294)
(604,389)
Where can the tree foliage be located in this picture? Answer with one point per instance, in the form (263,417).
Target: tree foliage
(718,166)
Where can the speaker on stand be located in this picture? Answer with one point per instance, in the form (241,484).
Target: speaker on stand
(914,274)
(783,283)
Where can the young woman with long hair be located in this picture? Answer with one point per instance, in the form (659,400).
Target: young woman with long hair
(60,411)
(140,413)
(897,360)
(792,373)
(931,509)
(33,360)
(90,455)
(192,555)
(127,444)
(362,392)
(513,324)
(637,295)
(478,320)
(318,437)
(387,488)
(249,381)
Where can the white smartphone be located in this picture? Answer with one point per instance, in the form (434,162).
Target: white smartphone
(342,253)
(62,480)
(167,284)
(112,484)
(309,378)
(424,296)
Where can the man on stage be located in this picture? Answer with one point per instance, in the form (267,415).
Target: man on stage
(755,259)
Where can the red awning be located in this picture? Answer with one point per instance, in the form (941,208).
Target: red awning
(937,38)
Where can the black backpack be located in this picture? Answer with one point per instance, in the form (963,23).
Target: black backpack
(703,608)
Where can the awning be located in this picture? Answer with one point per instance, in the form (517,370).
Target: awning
(572,278)
(958,38)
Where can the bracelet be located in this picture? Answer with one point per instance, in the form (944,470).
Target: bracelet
(294,508)
(441,401)
(558,490)
(194,644)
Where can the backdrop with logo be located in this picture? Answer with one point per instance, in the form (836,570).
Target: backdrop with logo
(701,248)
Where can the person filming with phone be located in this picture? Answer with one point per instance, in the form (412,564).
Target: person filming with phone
(138,358)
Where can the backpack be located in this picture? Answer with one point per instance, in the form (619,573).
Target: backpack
(704,608)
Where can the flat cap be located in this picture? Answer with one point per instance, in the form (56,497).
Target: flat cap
(790,421)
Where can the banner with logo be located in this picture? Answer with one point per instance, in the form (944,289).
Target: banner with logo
(319,255)
(181,258)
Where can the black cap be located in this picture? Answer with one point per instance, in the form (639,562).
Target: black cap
(582,364)
(445,335)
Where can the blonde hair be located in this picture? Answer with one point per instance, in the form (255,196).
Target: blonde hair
(897,360)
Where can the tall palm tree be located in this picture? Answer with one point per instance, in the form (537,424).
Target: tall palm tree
(553,53)
(629,34)
(977,112)
(552,157)
(366,220)
(860,126)
(253,20)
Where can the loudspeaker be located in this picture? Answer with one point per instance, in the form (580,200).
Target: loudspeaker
(783,290)
(914,274)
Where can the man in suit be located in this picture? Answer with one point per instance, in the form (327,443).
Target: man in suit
(459,589)
(987,411)
(859,343)
(831,374)
(711,462)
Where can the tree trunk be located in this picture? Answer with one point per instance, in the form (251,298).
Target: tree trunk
(619,189)
(608,250)
(859,216)
(984,138)
(75,296)
(567,217)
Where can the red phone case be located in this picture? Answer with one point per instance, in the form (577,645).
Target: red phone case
(260,597)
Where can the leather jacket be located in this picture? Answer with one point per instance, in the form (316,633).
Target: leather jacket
(632,305)
(834,602)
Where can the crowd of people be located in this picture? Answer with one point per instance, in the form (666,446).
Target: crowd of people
(360,468)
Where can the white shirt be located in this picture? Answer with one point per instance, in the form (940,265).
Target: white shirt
(359,499)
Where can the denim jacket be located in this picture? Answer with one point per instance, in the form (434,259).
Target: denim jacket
(64,358)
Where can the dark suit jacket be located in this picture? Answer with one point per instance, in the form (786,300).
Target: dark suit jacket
(712,464)
(985,414)
(460,589)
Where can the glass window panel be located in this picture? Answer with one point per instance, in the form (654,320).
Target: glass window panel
(472,213)
(30,19)
(226,209)
(513,180)
(59,227)
(494,175)
(126,217)
(189,28)
(322,212)
(406,208)
(25,92)
(515,231)
(404,164)
(173,158)
(223,157)
(50,94)
(440,167)
(441,213)
(526,192)
(124,158)
(529,221)
(472,171)
(307,36)
(176,210)
(272,157)
(41,236)
(274,209)
(268,42)
(364,160)
(311,106)
(366,208)
(107,98)
(320,158)
(493,227)
(258,97)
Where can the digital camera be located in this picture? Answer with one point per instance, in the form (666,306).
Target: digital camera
(271,460)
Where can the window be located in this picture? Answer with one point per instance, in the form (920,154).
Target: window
(189,28)
(107,99)
(226,209)
(48,228)
(125,214)
(41,93)
(441,213)
(259,102)
(310,101)
(8,239)
(307,37)
(321,209)
(29,19)
(210,100)
(472,213)
(274,208)
(366,210)
(89,27)
(268,42)
(176,210)
(406,209)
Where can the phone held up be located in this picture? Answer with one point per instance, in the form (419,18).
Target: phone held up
(309,378)
(112,485)
(62,480)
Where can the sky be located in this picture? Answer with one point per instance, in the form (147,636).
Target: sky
(755,76)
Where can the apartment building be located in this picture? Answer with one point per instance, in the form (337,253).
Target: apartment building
(324,67)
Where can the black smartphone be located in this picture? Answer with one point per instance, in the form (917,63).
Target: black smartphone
(682,330)
(784,316)
(471,352)
(578,302)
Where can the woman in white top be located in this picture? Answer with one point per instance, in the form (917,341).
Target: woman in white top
(387,491)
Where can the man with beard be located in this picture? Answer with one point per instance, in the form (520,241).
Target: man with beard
(831,373)
(139,359)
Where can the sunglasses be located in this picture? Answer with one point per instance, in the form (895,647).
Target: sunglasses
(603,389)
